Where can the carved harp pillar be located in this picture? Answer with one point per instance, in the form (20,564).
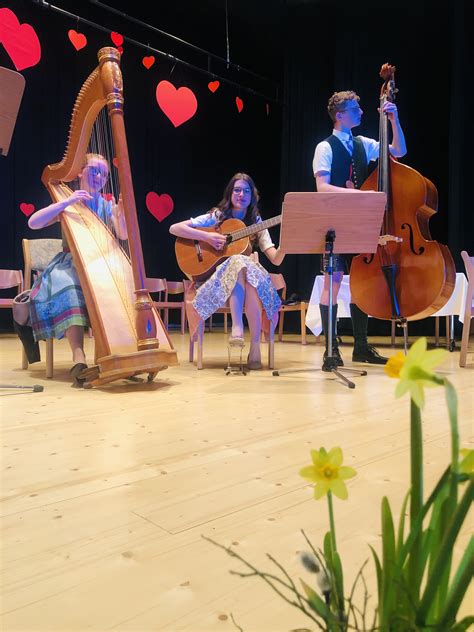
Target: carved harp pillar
(129,335)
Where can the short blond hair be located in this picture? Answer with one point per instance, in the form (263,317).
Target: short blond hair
(338,101)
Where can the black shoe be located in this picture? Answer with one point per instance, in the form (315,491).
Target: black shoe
(76,371)
(368,354)
(334,362)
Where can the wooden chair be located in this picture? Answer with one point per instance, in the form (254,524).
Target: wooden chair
(468,307)
(165,289)
(301,307)
(37,253)
(10,279)
(199,335)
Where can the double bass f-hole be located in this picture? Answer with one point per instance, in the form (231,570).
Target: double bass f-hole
(421,249)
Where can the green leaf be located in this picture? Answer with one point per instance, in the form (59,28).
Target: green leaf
(388,559)
(459,585)
(463,625)
(401,523)
(444,553)
(316,603)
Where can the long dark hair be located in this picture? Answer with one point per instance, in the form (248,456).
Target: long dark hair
(224,209)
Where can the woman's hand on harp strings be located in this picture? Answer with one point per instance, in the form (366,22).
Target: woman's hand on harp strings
(118,218)
(78,196)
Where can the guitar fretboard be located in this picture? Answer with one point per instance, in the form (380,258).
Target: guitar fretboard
(255,228)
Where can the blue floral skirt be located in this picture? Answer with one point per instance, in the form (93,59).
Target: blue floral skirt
(56,300)
(214,293)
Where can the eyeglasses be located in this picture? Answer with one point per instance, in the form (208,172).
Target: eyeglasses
(97,171)
(239,190)
(355,108)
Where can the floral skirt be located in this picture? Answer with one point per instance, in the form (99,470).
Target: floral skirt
(56,300)
(215,292)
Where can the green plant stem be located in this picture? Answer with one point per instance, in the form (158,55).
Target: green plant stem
(332,523)
(416,498)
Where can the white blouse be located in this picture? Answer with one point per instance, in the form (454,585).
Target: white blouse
(210,219)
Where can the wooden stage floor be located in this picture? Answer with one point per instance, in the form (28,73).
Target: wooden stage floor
(106,493)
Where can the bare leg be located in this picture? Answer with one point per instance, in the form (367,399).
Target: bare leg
(253,311)
(236,304)
(336,284)
(75,337)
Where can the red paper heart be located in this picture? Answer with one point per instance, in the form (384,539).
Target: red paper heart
(20,40)
(116,38)
(160,206)
(108,196)
(148,61)
(178,105)
(115,163)
(78,40)
(213,85)
(27,209)
(239,103)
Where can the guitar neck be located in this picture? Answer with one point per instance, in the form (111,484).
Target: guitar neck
(255,228)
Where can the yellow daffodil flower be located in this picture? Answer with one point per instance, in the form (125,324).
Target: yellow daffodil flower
(415,370)
(328,473)
(466,462)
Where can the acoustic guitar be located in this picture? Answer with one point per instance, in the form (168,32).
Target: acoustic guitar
(198,260)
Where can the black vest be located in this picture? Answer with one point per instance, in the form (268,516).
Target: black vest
(341,162)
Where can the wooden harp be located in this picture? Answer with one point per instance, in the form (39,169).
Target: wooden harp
(130,338)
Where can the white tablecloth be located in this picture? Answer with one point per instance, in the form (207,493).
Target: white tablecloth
(455,305)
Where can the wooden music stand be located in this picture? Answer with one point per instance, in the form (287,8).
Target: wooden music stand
(310,224)
(12,85)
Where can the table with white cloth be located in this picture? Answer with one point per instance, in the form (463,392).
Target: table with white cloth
(454,307)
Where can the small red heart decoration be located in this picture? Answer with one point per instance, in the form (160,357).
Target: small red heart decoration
(27,209)
(78,40)
(116,38)
(179,105)
(239,103)
(115,163)
(20,40)
(108,196)
(213,85)
(160,206)
(148,61)
(120,49)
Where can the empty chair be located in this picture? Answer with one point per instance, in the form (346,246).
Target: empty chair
(468,307)
(299,306)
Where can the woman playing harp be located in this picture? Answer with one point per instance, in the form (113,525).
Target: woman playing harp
(100,227)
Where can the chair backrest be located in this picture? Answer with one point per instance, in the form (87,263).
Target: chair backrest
(174,287)
(154,284)
(469,265)
(37,253)
(11,278)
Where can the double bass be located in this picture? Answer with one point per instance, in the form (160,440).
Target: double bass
(410,276)
(129,336)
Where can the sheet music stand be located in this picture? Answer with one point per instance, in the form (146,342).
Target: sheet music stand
(335,223)
(12,85)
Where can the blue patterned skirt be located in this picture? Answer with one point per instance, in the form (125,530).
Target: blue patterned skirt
(214,293)
(56,300)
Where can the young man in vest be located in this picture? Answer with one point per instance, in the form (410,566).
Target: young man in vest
(341,164)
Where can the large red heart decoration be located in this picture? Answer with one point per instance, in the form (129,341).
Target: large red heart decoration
(78,40)
(160,206)
(239,103)
(179,105)
(27,209)
(213,85)
(116,38)
(20,40)
(148,61)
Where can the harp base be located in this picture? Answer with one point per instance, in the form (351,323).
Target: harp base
(117,367)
